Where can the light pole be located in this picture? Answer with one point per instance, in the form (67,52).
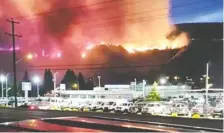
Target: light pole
(37,81)
(206,84)
(99,80)
(135,84)
(6,84)
(206,81)
(7,95)
(28,56)
(143,87)
(163,81)
(2,78)
(55,78)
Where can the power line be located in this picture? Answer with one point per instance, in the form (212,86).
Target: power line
(75,65)
(105,67)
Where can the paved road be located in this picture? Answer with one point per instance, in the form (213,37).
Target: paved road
(24,114)
(7,115)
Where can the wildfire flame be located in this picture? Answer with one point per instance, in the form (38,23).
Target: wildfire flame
(135,25)
(176,43)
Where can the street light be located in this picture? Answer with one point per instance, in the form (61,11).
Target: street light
(210,85)
(162,81)
(27,56)
(206,84)
(75,86)
(55,86)
(6,84)
(83,55)
(135,84)
(36,80)
(99,80)
(176,77)
(7,96)
(2,78)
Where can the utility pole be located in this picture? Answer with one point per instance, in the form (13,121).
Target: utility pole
(206,86)
(13,35)
(206,82)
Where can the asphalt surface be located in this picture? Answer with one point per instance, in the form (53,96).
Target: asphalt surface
(10,115)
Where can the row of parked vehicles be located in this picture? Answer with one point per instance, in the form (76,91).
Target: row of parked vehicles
(180,108)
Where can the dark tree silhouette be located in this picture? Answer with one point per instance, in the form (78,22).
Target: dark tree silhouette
(81,81)
(69,79)
(89,84)
(48,83)
(26,77)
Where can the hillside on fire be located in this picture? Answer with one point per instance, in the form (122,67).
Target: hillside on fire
(188,61)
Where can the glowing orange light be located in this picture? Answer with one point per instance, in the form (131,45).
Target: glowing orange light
(130,51)
(83,55)
(29,56)
(102,43)
(59,55)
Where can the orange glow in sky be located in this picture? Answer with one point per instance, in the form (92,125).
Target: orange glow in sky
(83,55)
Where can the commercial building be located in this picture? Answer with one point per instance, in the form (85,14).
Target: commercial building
(124,91)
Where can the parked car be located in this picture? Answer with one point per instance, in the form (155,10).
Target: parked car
(108,106)
(201,109)
(95,105)
(137,108)
(153,108)
(218,111)
(168,107)
(83,106)
(191,105)
(180,108)
(124,107)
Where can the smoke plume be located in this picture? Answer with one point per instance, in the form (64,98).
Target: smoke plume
(57,24)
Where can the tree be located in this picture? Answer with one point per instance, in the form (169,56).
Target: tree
(48,83)
(26,77)
(89,84)
(81,81)
(70,79)
(153,94)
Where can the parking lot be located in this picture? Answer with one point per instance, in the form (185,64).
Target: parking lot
(175,107)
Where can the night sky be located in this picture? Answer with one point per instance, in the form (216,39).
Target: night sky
(191,11)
